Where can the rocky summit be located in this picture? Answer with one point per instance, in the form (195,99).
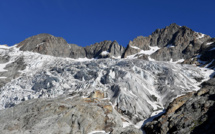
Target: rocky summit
(56,46)
(159,84)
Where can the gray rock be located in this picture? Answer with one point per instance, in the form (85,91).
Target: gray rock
(71,114)
(56,46)
(111,49)
(46,44)
(77,51)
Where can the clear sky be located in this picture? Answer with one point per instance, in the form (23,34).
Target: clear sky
(85,22)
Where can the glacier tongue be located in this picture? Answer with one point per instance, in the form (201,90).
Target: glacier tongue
(136,88)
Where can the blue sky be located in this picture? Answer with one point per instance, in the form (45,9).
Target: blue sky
(85,22)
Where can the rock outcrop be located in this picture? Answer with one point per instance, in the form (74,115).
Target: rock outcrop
(104,49)
(192,113)
(175,43)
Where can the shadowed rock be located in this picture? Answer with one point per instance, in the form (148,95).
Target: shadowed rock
(192,113)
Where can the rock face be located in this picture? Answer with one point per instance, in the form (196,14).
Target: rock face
(104,49)
(56,46)
(71,114)
(46,44)
(192,113)
(77,51)
(175,42)
(208,54)
(140,42)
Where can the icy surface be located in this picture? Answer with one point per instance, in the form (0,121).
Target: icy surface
(136,88)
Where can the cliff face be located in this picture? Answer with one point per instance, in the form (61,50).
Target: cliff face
(192,113)
(46,44)
(104,49)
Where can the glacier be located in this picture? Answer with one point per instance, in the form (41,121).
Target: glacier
(136,88)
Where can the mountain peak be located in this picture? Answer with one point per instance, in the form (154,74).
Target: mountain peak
(174,25)
(46,44)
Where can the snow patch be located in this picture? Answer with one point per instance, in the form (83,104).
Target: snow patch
(146,52)
(40,44)
(209,43)
(94,132)
(150,59)
(104,53)
(126,124)
(4,47)
(2,66)
(178,61)
(149,52)
(135,47)
(200,35)
(153,115)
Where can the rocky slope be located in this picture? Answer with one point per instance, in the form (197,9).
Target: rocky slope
(192,113)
